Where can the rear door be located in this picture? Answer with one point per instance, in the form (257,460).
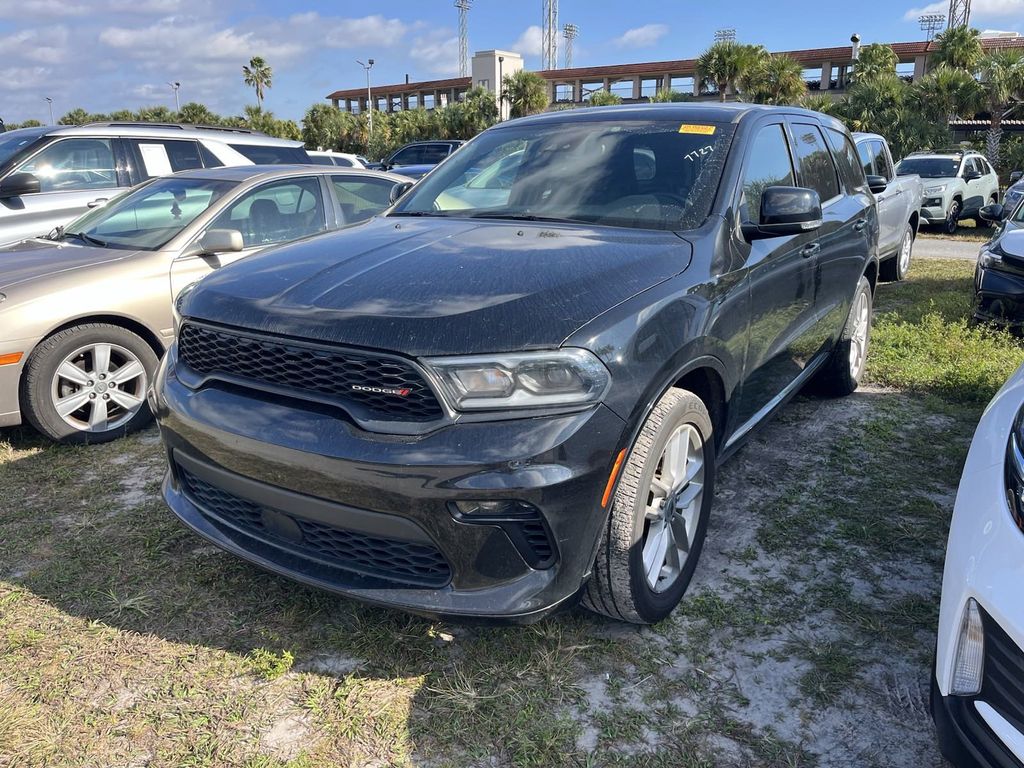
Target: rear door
(161,157)
(270,214)
(781,337)
(978,189)
(72,173)
(891,204)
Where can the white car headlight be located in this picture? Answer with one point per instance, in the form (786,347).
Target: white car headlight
(527,380)
(936,190)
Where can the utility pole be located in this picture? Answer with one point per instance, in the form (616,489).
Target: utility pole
(174,87)
(463,6)
(369,97)
(959,13)
(501,88)
(570,32)
(49,103)
(550,42)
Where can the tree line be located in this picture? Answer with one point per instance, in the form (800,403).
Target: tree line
(963,81)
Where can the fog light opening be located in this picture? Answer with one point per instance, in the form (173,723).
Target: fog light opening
(969,661)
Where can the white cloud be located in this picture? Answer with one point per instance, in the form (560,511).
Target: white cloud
(641,37)
(36,45)
(531,42)
(979,9)
(436,53)
(349,33)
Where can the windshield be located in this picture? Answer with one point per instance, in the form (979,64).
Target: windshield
(148,217)
(1018,215)
(928,167)
(650,174)
(13,142)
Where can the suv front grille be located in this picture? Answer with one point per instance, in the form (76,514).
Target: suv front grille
(374,388)
(406,562)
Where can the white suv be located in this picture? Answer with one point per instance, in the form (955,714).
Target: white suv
(957,184)
(52,174)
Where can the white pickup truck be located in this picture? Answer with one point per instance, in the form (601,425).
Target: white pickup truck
(899,206)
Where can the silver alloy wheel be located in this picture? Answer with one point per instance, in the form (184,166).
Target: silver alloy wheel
(99,387)
(905,249)
(861,315)
(673,507)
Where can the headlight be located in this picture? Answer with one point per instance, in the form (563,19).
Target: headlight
(179,302)
(936,190)
(527,380)
(1014,470)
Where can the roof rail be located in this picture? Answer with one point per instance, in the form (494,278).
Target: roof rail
(180,126)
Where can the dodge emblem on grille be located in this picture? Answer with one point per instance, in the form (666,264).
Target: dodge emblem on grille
(403,392)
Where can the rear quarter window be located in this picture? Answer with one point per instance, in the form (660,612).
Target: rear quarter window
(271,155)
(817,171)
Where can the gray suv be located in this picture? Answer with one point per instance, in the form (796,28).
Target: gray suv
(50,175)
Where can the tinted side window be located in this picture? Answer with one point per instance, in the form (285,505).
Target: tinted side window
(359,198)
(276,213)
(343,162)
(882,160)
(73,164)
(320,160)
(867,158)
(768,165)
(408,156)
(210,160)
(847,159)
(161,157)
(271,155)
(434,153)
(815,162)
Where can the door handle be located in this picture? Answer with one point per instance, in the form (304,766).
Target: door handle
(859,226)
(810,249)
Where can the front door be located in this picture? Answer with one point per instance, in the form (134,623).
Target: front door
(781,274)
(271,214)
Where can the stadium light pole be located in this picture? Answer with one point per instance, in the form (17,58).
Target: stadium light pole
(369,98)
(174,87)
(49,103)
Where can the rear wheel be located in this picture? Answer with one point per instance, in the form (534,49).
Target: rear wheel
(898,266)
(87,384)
(659,514)
(841,375)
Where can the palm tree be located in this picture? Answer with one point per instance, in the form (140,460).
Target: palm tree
(197,114)
(604,98)
(946,92)
(875,59)
(670,95)
(723,65)
(959,47)
(259,75)
(1002,83)
(820,102)
(775,79)
(526,93)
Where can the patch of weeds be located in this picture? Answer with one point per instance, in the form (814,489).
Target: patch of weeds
(833,670)
(269,665)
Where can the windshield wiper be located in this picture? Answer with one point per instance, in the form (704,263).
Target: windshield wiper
(85,238)
(419,213)
(525,217)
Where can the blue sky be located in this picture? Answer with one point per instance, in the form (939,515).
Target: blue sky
(108,54)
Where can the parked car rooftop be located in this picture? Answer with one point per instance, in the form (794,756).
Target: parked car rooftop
(717,112)
(166,130)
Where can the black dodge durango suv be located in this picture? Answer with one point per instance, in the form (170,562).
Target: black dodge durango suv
(513,389)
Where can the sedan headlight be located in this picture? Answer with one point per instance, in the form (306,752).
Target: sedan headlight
(529,380)
(1014,470)
(936,190)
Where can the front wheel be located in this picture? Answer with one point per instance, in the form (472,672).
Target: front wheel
(842,373)
(659,515)
(952,218)
(87,384)
(896,268)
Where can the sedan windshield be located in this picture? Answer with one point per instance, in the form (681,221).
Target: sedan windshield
(650,174)
(928,167)
(147,218)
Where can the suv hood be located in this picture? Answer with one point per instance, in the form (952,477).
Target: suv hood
(435,286)
(31,259)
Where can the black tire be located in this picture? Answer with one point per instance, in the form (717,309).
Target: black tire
(36,391)
(839,377)
(952,222)
(895,269)
(618,587)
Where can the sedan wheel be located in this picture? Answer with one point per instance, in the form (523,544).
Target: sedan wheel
(99,387)
(952,218)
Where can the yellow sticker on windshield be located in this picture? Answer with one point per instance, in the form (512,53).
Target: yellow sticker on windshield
(703,130)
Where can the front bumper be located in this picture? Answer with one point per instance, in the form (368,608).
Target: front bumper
(281,473)
(10,380)
(984,561)
(999,297)
(934,214)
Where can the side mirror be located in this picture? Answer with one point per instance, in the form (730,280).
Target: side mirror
(400,189)
(785,211)
(994,213)
(972,176)
(877,184)
(220,241)
(1016,176)
(18,184)
(100,201)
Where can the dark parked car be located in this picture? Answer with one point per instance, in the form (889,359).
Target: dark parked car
(999,275)
(494,411)
(419,153)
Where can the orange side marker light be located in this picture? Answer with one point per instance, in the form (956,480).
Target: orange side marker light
(611,478)
(10,359)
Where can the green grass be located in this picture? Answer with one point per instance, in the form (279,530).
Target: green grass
(125,640)
(970,230)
